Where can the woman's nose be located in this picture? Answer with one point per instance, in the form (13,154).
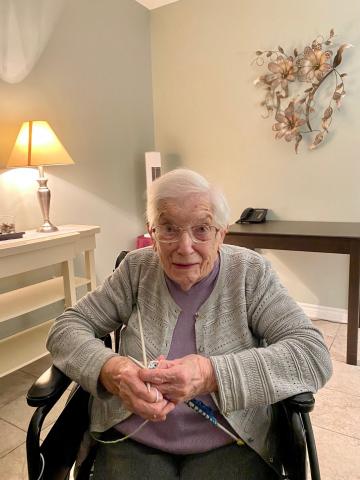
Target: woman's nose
(185,243)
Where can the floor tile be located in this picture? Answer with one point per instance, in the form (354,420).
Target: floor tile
(19,413)
(13,466)
(337,411)
(14,385)
(328,339)
(338,455)
(38,367)
(346,378)
(326,328)
(343,330)
(10,438)
(338,349)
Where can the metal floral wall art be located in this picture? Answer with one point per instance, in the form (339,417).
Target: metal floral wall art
(291,83)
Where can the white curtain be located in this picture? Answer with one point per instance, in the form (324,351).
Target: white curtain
(25,27)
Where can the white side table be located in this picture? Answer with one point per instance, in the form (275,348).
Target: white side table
(36,250)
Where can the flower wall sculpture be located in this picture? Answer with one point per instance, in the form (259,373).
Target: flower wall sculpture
(296,114)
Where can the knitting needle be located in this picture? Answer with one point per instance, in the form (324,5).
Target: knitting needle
(142,343)
(142,336)
(139,364)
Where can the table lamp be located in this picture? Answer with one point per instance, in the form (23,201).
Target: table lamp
(37,146)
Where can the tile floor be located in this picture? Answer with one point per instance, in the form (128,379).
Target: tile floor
(336,418)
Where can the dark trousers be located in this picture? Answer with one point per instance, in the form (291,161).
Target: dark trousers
(130,460)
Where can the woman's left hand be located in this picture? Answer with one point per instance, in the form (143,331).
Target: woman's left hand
(182,379)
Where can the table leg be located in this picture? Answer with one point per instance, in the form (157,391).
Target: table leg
(69,282)
(90,269)
(353,305)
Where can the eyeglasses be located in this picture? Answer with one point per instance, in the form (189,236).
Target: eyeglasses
(172,233)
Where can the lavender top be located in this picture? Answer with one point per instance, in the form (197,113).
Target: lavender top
(184,430)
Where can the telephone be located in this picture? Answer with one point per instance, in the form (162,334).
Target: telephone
(253,215)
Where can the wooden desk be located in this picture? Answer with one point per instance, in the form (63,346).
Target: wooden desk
(36,250)
(325,237)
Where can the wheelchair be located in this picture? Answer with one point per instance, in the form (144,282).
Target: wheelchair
(54,458)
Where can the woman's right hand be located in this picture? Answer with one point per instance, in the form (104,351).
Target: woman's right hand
(120,376)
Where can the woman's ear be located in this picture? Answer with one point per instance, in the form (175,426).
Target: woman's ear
(222,233)
(151,233)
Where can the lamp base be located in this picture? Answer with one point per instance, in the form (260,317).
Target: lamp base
(47,227)
(44,200)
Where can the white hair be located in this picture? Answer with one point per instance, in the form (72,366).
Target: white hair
(180,183)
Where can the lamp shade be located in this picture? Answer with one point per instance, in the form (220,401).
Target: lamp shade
(37,145)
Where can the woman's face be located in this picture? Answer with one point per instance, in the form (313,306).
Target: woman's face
(185,261)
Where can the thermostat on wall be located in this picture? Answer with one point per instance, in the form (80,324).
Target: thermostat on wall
(153,167)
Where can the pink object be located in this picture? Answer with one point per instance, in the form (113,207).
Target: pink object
(142,241)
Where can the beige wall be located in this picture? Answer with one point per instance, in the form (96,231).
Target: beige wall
(93,85)
(208,117)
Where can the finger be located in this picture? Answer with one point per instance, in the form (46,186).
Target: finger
(161,416)
(174,393)
(159,410)
(164,363)
(134,387)
(158,376)
(158,395)
(153,395)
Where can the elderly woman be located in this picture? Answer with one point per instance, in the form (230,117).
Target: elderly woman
(223,329)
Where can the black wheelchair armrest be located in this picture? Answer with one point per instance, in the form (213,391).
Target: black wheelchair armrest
(297,436)
(48,388)
(49,459)
(301,403)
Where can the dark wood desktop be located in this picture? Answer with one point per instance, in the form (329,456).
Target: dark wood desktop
(325,237)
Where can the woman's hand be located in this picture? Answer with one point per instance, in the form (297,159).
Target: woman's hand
(120,376)
(182,379)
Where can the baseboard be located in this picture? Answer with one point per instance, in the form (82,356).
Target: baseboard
(332,314)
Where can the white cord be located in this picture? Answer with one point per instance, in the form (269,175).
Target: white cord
(118,439)
(42,466)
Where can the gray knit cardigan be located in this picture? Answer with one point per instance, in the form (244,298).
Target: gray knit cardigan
(261,344)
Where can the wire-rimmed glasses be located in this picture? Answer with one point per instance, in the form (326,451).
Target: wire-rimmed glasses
(169,233)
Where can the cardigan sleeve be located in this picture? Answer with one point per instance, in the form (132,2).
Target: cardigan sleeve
(294,358)
(74,340)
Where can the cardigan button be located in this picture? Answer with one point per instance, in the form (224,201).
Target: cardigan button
(201,348)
